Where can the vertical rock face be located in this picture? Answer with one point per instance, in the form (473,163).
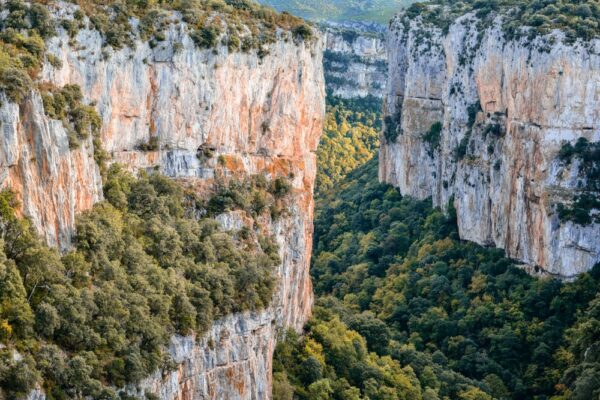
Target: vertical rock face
(355,59)
(202,114)
(505,110)
(51,181)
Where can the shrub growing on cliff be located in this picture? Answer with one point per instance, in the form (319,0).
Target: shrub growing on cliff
(391,128)
(15,83)
(303,31)
(578,20)
(142,270)
(66,105)
(206,37)
(22,47)
(153,144)
(433,137)
(585,208)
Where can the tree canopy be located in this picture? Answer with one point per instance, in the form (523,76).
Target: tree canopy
(144,268)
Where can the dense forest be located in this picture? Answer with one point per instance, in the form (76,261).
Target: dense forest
(406,310)
(350,138)
(145,267)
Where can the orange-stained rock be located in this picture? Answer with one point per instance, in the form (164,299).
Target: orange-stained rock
(52,182)
(254,115)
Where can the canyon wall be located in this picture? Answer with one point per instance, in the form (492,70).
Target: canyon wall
(478,122)
(52,182)
(208,115)
(355,59)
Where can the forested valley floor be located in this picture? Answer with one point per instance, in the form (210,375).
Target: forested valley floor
(406,310)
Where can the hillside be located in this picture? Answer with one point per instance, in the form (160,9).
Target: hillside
(341,10)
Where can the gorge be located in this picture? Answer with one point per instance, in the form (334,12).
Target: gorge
(176,177)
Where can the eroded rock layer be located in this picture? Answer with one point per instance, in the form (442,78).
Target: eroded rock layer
(478,122)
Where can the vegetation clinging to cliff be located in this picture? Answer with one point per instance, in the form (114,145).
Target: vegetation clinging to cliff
(577,19)
(241,24)
(22,47)
(433,138)
(585,208)
(144,269)
(23,32)
(66,105)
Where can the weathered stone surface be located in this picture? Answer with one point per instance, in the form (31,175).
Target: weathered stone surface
(355,60)
(52,182)
(254,115)
(232,361)
(507,185)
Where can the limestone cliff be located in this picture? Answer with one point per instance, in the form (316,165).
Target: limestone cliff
(195,115)
(355,59)
(478,121)
(53,182)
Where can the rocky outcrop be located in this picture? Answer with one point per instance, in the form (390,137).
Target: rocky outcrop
(355,59)
(506,108)
(52,182)
(200,116)
(232,361)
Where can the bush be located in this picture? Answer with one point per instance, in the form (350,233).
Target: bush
(153,144)
(303,31)
(280,187)
(79,120)
(581,211)
(392,128)
(15,83)
(566,152)
(463,147)
(17,377)
(206,37)
(433,138)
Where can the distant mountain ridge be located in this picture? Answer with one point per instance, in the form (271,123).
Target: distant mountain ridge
(341,10)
